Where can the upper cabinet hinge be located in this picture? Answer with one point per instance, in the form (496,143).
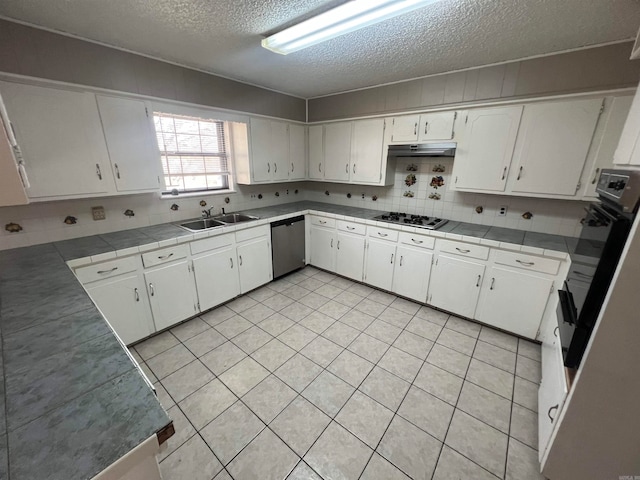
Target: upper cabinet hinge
(578,186)
(602,106)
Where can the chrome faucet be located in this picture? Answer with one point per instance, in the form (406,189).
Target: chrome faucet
(206,213)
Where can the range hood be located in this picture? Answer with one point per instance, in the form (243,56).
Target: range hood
(442,149)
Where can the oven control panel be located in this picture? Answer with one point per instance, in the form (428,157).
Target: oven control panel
(621,187)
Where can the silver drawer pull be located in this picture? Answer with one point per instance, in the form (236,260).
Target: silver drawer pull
(350,228)
(338,246)
(383,234)
(417,241)
(401,257)
(493,281)
(153,292)
(555,407)
(164,257)
(392,258)
(231,261)
(526,264)
(240,259)
(102,272)
(321,222)
(461,250)
(555,332)
(137,295)
(478,282)
(268,167)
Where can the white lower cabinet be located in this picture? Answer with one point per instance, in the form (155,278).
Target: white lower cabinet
(455,285)
(412,273)
(381,255)
(123,302)
(172,293)
(514,301)
(350,256)
(322,247)
(254,263)
(217,278)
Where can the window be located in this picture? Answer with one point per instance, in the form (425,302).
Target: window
(193,152)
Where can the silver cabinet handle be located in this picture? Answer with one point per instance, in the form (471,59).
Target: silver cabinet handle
(401,257)
(338,246)
(275,167)
(350,228)
(292,167)
(240,259)
(493,280)
(164,257)
(555,332)
(117,170)
(504,173)
(322,222)
(555,407)
(320,166)
(268,167)
(392,258)
(346,168)
(415,128)
(462,250)
(417,241)
(519,173)
(231,261)
(478,282)
(332,243)
(102,272)
(595,177)
(98,171)
(354,168)
(526,264)
(151,289)
(426,127)
(137,295)
(383,234)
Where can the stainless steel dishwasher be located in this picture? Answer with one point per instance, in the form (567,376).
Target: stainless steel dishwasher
(287,241)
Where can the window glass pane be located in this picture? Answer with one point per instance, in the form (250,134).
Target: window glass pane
(209,144)
(167,124)
(195,182)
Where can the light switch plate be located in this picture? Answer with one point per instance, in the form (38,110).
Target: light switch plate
(98,213)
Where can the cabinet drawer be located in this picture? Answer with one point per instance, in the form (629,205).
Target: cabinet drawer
(417,240)
(323,221)
(351,227)
(528,262)
(383,234)
(254,232)
(99,271)
(211,243)
(158,257)
(464,249)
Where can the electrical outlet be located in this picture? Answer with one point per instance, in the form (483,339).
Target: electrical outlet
(502,211)
(98,213)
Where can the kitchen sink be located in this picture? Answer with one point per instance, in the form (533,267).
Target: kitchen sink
(235,218)
(202,224)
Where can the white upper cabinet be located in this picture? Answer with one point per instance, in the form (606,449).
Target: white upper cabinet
(61,139)
(280,151)
(366,151)
(405,128)
(316,152)
(552,146)
(337,151)
(436,126)
(261,162)
(485,148)
(628,151)
(131,143)
(297,152)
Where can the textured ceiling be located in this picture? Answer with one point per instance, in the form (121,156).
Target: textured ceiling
(223,36)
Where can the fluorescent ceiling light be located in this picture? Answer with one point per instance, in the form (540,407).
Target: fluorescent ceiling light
(346,18)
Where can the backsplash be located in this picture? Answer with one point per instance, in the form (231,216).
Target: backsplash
(45,222)
(560,217)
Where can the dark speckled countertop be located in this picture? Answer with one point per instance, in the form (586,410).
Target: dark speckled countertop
(69,387)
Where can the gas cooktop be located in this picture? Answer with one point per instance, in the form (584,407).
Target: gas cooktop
(421,221)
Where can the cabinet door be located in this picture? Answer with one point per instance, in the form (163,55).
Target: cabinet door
(172,293)
(123,302)
(337,151)
(628,152)
(11,184)
(412,273)
(316,152)
(616,116)
(485,148)
(254,263)
(131,143)
(436,126)
(455,285)
(350,256)
(366,151)
(514,301)
(322,248)
(261,149)
(381,257)
(280,151)
(405,128)
(552,146)
(297,152)
(61,140)
(217,277)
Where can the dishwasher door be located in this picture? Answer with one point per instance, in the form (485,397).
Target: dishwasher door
(287,242)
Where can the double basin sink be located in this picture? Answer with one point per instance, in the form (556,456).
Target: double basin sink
(219,221)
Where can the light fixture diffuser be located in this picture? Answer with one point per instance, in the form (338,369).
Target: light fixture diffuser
(346,18)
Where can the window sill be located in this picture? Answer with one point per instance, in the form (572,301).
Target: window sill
(206,193)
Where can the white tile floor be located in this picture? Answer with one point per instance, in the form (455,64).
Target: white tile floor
(317,377)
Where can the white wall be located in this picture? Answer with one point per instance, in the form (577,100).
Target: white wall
(560,217)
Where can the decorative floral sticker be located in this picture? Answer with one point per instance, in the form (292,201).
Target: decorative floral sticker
(13,227)
(527,215)
(437,181)
(410,180)
(70,220)
(439,168)
(435,196)
(409,194)
(412,167)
